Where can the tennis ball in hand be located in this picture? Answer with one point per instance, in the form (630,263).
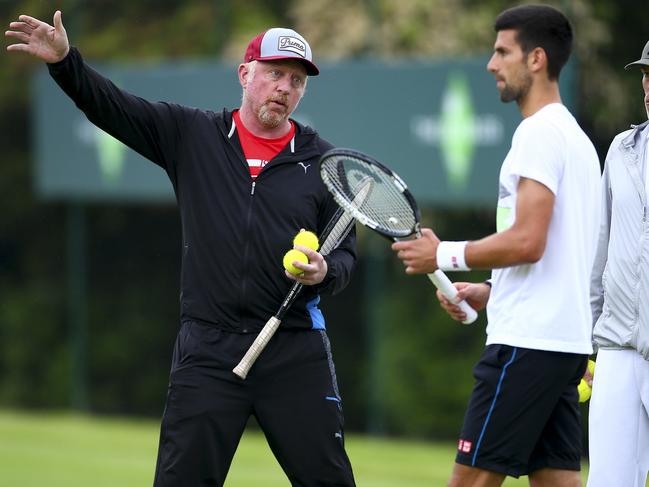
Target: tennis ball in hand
(583,388)
(307,239)
(291,256)
(591,367)
(584,391)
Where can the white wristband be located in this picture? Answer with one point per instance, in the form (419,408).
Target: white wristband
(450,256)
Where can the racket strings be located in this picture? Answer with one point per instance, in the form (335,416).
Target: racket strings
(384,207)
(345,221)
(337,233)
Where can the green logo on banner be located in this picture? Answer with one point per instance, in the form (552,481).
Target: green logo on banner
(457,131)
(457,136)
(111,153)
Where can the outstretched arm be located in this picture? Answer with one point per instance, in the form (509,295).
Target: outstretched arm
(151,129)
(524,242)
(41,40)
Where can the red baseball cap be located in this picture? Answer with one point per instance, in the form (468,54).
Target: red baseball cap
(279,43)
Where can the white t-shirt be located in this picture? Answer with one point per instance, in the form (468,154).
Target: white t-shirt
(546,305)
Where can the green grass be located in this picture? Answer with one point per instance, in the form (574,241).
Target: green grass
(65,450)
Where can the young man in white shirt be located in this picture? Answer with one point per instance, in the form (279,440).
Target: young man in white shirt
(523,415)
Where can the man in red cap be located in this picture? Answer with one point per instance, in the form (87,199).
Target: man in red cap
(246,181)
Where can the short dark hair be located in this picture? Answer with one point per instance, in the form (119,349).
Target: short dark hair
(540,26)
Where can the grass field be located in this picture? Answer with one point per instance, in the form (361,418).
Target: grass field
(64,450)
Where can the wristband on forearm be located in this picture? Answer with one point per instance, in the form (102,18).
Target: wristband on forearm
(450,256)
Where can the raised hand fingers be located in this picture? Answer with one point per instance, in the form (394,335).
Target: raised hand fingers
(31,21)
(22,29)
(26,25)
(58,22)
(20,36)
(38,38)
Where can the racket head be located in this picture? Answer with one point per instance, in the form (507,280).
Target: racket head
(389,208)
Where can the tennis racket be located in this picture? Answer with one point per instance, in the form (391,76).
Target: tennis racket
(390,209)
(334,233)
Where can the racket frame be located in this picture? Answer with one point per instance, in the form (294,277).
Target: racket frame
(438,277)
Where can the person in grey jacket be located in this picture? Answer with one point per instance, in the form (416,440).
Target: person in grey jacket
(618,419)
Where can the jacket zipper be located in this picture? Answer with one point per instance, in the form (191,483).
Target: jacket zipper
(246,254)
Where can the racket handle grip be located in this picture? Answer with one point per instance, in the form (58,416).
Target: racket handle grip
(257,347)
(444,284)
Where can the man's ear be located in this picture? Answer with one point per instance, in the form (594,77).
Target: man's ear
(537,60)
(243,73)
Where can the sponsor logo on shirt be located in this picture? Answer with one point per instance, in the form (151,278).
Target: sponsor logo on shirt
(256,165)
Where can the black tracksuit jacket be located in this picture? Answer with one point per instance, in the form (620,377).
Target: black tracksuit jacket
(235,233)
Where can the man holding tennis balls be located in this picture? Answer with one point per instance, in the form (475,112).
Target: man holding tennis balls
(245,182)
(304,240)
(523,414)
(618,423)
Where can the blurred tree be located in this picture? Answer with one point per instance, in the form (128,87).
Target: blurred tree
(607,33)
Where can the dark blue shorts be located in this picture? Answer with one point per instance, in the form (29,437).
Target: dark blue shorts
(524,413)
(291,391)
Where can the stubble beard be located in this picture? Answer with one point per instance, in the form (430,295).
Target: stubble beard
(516,92)
(269,117)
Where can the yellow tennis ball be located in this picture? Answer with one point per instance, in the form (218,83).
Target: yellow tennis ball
(583,388)
(291,256)
(591,367)
(584,391)
(307,239)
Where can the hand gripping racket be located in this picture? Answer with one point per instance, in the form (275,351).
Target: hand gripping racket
(390,209)
(334,233)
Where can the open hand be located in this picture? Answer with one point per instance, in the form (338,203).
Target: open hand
(41,40)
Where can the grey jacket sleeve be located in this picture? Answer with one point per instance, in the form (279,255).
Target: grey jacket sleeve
(601,254)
